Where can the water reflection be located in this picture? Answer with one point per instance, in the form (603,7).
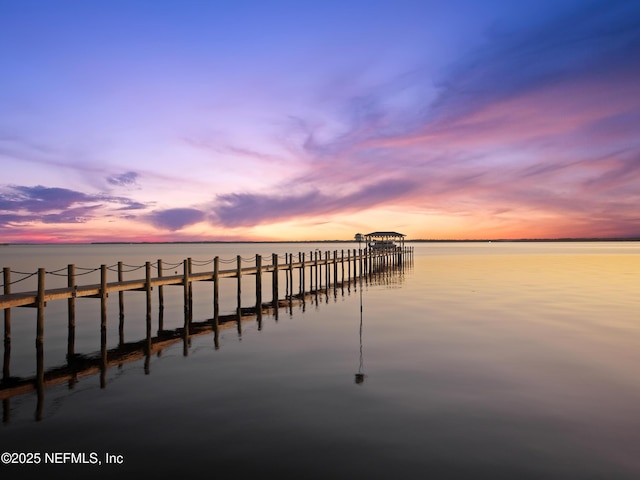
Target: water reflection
(498,367)
(360,374)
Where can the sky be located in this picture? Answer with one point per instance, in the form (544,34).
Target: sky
(276,120)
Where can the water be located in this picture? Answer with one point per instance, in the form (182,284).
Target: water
(480,360)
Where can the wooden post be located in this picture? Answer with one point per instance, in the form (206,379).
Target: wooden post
(216,306)
(327,275)
(190,290)
(291,284)
(310,271)
(185,283)
(289,259)
(103,326)
(301,259)
(259,290)
(355,264)
(291,276)
(216,288)
(274,257)
(71,323)
(147,287)
(316,287)
(6,365)
(103,297)
(71,307)
(120,306)
(187,313)
(286,276)
(147,345)
(335,270)
(160,300)
(315,266)
(121,292)
(301,273)
(319,281)
(239,293)
(40,304)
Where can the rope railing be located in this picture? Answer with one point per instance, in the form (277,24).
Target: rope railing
(135,267)
(56,274)
(202,263)
(131,268)
(87,272)
(167,265)
(28,275)
(231,260)
(63,269)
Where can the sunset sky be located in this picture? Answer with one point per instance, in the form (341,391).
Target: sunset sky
(165,120)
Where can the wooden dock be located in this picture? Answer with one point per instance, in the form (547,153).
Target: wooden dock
(362,260)
(316,273)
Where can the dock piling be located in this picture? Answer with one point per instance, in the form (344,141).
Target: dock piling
(71,312)
(6,276)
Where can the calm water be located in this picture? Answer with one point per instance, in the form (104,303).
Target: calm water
(481,360)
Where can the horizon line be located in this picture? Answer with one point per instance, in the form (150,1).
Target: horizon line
(418,240)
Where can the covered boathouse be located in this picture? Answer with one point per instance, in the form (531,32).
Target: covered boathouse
(384,240)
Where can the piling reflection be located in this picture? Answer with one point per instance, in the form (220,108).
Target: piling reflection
(6,363)
(360,374)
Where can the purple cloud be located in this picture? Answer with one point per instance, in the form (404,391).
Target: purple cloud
(13,218)
(245,209)
(175,218)
(73,215)
(123,180)
(56,205)
(40,199)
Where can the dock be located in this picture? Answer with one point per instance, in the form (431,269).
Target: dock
(316,272)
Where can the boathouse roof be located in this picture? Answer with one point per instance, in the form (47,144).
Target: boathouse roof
(385,234)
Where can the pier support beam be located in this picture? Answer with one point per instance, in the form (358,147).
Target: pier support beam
(239,293)
(6,364)
(274,299)
(120,306)
(103,326)
(40,304)
(160,300)
(71,311)
(216,301)
(147,287)
(259,290)
(187,313)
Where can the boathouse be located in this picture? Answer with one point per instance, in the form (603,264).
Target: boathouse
(385,240)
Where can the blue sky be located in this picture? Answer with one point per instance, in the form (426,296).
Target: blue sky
(209,120)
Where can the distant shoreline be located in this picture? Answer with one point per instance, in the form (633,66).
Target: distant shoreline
(519,240)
